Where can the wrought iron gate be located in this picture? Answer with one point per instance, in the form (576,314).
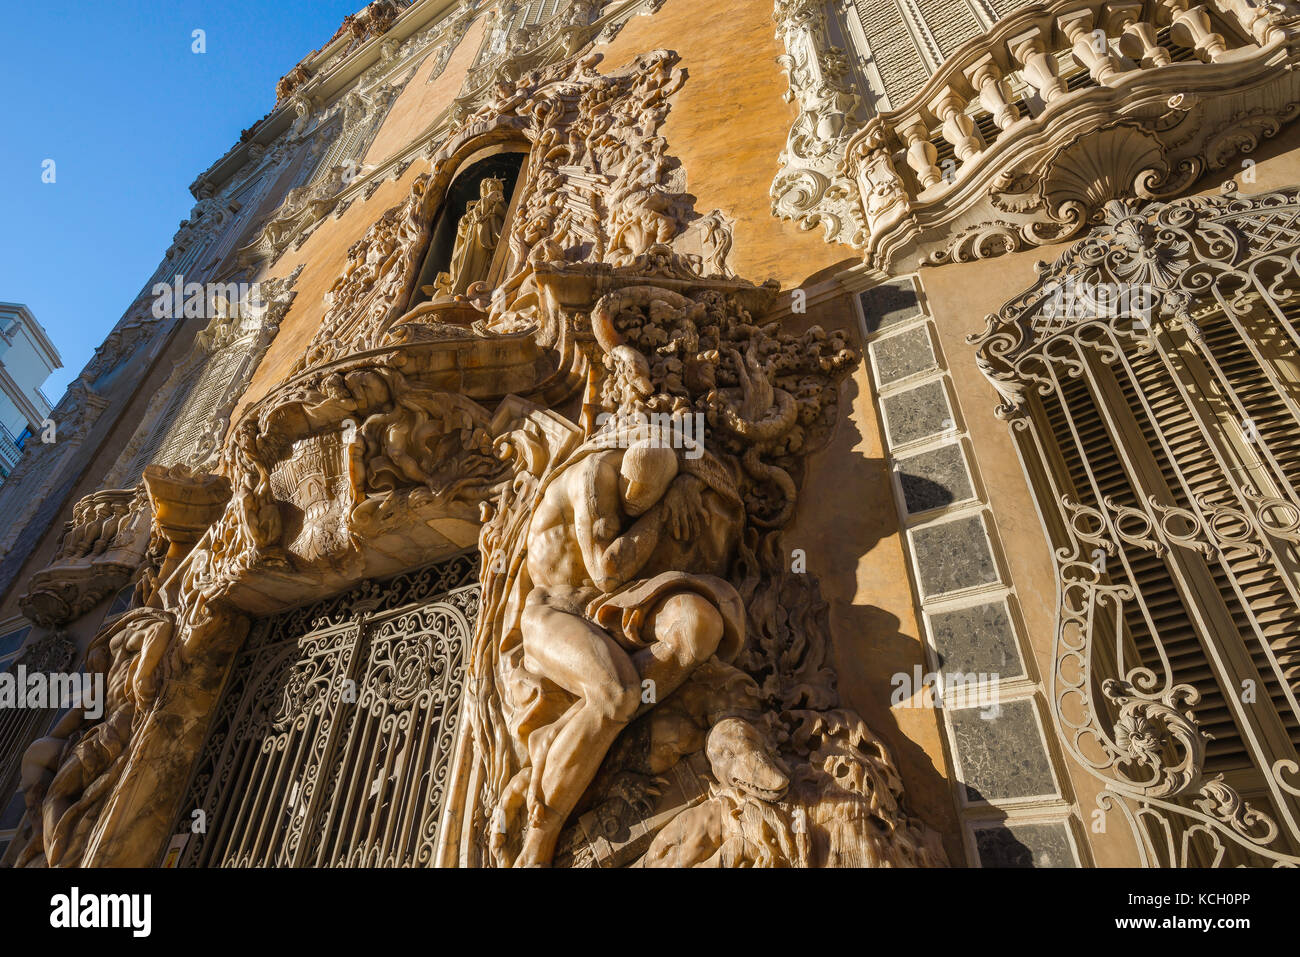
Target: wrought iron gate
(333,741)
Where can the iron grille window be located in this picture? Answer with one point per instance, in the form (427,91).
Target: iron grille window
(1164,450)
(333,741)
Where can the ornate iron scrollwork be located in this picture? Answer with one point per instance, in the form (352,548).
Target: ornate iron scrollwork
(333,742)
(1161,441)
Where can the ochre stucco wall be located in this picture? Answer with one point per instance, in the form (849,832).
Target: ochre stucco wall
(728,126)
(847,525)
(421,101)
(324,255)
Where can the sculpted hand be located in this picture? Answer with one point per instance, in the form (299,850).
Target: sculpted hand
(683,508)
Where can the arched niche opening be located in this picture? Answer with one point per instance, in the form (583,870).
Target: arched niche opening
(468,239)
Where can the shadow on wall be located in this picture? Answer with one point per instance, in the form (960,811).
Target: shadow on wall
(866,589)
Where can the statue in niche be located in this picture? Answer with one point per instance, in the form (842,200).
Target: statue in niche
(477,235)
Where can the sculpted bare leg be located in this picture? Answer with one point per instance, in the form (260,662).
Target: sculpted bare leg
(586,662)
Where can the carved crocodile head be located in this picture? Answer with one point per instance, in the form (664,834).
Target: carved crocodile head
(739,756)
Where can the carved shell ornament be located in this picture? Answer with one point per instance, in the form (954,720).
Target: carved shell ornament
(1097,167)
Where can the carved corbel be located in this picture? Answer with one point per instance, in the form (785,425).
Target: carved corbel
(303,106)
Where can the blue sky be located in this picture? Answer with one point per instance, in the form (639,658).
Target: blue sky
(112,92)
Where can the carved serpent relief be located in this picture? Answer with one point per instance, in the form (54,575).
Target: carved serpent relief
(648,683)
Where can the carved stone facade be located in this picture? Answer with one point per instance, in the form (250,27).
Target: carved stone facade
(526,521)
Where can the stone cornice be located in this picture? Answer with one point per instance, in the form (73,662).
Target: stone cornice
(324,89)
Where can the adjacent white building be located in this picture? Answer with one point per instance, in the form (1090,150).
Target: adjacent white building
(27,357)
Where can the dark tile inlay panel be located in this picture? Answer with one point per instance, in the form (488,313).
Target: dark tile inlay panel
(918,413)
(1001,752)
(1024,845)
(934,479)
(902,355)
(978,640)
(889,304)
(952,556)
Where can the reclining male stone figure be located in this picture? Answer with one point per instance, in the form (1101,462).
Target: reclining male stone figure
(612,617)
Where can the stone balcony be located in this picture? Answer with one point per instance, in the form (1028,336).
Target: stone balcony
(1027,131)
(100,550)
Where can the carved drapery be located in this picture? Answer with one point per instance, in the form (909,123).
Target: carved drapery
(404,436)
(1158,431)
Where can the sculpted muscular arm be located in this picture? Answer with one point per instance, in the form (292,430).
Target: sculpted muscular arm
(577,540)
(611,559)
